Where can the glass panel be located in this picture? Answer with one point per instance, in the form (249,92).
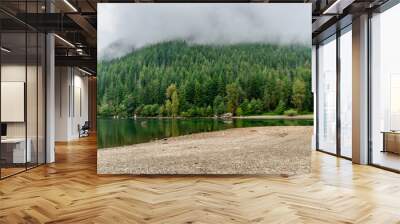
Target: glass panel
(2,161)
(31,98)
(327,96)
(13,87)
(23,90)
(346,94)
(385,92)
(41,98)
(32,89)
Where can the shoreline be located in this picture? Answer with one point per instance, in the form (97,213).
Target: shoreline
(276,150)
(277,117)
(266,117)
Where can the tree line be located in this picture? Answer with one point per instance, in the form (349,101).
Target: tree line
(177,78)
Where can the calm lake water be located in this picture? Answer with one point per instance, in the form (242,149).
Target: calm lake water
(118,132)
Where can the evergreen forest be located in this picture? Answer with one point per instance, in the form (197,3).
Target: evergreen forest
(177,78)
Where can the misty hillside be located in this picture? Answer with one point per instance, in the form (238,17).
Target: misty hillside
(206,80)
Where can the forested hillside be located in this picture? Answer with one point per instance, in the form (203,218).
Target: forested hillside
(180,79)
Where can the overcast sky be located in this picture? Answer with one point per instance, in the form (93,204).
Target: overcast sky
(123,27)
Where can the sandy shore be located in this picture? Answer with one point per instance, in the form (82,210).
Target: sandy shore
(274,150)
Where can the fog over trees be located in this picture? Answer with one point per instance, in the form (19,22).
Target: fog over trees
(126,27)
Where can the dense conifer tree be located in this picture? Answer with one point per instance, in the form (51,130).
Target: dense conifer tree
(180,79)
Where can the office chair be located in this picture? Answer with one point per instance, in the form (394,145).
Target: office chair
(84,130)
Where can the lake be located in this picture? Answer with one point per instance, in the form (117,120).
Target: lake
(119,132)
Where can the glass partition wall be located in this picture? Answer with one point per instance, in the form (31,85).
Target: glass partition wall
(13,89)
(385,89)
(334,90)
(327,95)
(345,61)
(22,78)
(334,93)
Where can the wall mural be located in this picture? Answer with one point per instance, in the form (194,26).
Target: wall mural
(204,88)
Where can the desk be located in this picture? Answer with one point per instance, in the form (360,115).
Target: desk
(13,150)
(391,141)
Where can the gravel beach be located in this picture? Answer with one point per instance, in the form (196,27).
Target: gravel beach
(273,150)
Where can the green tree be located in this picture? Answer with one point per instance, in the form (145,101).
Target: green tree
(281,107)
(139,109)
(161,111)
(232,96)
(175,104)
(172,102)
(199,74)
(254,107)
(239,111)
(219,105)
(104,110)
(170,90)
(299,93)
(209,111)
(245,107)
(168,107)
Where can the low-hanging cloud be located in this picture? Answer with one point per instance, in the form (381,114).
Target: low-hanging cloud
(124,27)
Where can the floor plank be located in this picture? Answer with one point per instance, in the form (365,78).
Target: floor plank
(70,191)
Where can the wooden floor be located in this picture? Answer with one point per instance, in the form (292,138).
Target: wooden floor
(387,159)
(69,191)
(5,172)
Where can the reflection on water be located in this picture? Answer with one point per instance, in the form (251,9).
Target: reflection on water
(118,132)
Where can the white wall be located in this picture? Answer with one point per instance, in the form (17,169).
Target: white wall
(15,73)
(71,87)
(80,105)
(12,73)
(62,83)
(33,126)
(13,101)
